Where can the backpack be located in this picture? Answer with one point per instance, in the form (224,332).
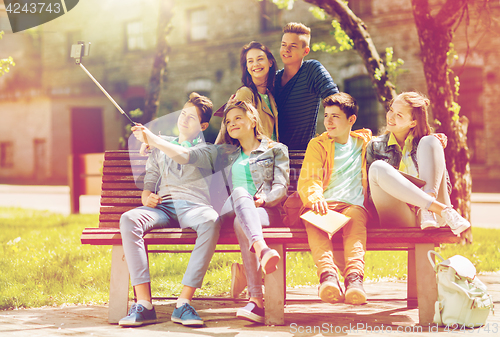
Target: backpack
(462,298)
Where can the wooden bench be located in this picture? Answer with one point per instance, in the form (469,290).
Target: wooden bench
(120,193)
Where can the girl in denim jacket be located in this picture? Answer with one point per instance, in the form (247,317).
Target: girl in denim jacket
(259,177)
(409,146)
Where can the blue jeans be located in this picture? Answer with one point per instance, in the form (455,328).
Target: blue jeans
(179,213)
(248,220)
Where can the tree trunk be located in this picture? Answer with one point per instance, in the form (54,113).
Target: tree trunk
(357,31)
(435,35)
(160,62)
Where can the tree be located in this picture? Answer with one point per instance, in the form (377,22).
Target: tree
(160,61)
(435,35)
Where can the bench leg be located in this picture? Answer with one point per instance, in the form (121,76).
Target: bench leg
(274,297)
(411,292)
(426,284)
(118,286)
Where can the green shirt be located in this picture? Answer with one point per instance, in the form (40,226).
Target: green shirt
(346,180)
(241,175)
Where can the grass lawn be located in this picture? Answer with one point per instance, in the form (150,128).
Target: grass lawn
(43,263)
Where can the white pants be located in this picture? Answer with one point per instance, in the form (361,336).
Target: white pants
(391,192)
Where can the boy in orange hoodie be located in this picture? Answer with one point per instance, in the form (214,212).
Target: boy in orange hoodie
(333,176)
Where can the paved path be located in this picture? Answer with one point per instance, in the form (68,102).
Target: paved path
(485,206)
(305,312)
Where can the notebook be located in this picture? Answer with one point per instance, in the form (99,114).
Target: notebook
(417,181)
(330,222)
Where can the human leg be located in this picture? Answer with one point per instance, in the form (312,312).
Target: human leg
(391,192)
(354,242)
(321,247)
(133,225)
(203,219)
(243,206)
(254,310)
(432,169)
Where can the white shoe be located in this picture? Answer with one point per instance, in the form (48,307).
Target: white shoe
(427,219)
(238,279)
(456,222)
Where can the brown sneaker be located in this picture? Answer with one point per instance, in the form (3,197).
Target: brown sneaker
(330,290)
(238,279)
(354,291)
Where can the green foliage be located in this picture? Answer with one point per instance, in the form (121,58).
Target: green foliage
(6,63)
(343,40)
(393,67)
(283,4)
(44,263)
(452,56)
(318,13)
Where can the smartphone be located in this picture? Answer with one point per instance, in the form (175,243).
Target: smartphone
(79,50)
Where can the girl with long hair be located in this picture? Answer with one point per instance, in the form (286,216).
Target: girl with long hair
(410,147)
(258,69)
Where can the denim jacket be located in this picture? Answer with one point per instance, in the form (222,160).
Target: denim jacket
(269,167)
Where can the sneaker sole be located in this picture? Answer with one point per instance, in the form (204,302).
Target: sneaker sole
(457,231)
(429,225)
(329,293)
(128,323)
(269,263)
(355,297)
(193,322)
(249,316)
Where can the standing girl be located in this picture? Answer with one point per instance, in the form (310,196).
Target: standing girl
(410,147)
(258,68)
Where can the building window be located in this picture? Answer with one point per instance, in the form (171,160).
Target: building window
(361,7)
(135,36)
(197,24)
(6,154)
(471,88)
(270,16)
(361,89)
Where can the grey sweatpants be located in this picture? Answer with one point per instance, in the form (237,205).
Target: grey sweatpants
(136,222)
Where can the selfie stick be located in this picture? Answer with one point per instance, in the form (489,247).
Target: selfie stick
(107,95)
(80,50)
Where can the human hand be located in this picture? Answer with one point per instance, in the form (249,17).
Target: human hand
(144,150)
(232,100)
(320,207)
(259,202)
(141,133)
(153,200)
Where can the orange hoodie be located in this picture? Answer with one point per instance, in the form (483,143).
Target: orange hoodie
(317,167)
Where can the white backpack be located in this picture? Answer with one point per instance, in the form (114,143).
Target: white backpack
(462,297)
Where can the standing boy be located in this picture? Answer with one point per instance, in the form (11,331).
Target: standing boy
(174,195)
(333,176)
(299,88)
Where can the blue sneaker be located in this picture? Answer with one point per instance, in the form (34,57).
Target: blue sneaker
(251,312)
(186,315)
(138,315)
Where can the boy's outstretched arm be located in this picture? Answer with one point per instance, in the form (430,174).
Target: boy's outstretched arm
(176,152)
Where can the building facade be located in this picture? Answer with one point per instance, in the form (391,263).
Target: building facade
(60,111)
